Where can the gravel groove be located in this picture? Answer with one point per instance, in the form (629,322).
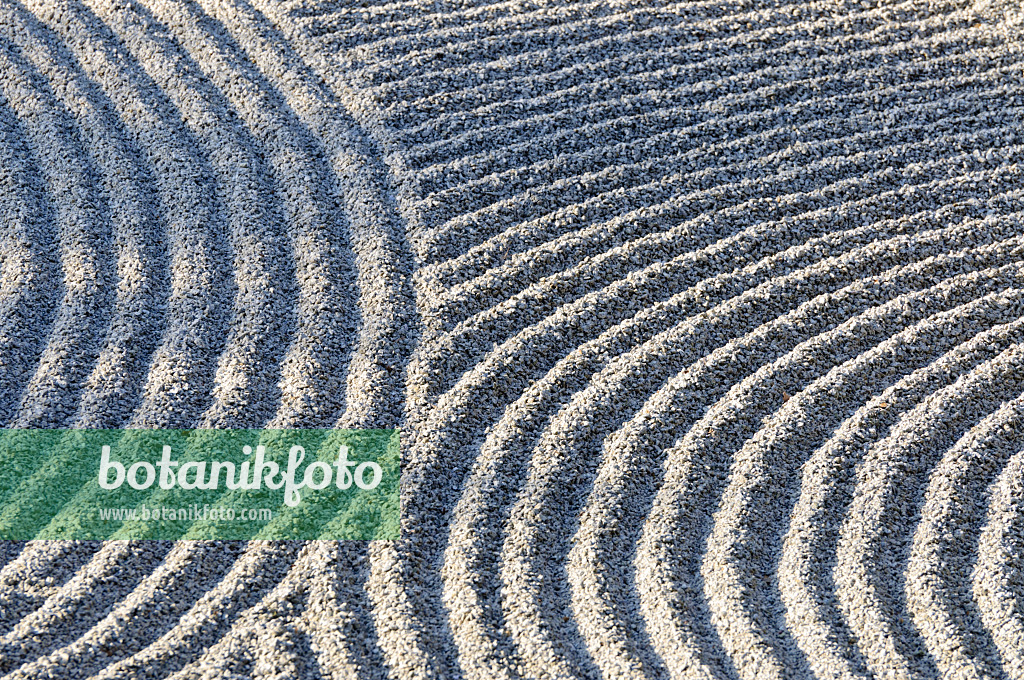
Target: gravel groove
(702,322)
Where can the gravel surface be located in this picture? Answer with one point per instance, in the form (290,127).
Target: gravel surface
(703,323)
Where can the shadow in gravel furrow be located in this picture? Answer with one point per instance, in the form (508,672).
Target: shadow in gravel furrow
(9,551)
(389,319)
(999,571)
(499,87)
(316,361)
(84,243)
(532,557)
(338,611)
(943,555)
(92,638)
(475,64)
(623,493)
(881,168)
(288,655)
(94,590)
(267,640)
(671,129)
(874,544)
(378,40)
(514,364)
(111,390)
(624,74)
(180,375)
(743,548)
(245,386)
(187,634)
(39,570)
(483,562)
(31,284)
(805,578)
(658,91)
(672,608)
(460,293)
(623,282)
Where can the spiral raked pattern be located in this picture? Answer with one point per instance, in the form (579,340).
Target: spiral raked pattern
(703,323)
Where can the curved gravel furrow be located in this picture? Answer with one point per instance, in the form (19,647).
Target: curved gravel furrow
(610,526)
(30,283)
(109,393)
(594,312)
(509,380)
(305,184)
(614,139)
(38,572)
(997,576)
(251,577)
(707,270)
(110,575)
(199,289)
(531,556)
(660,359)
(245,384)
(482,258)
(887,497)
(702,323)
(827,482)
(531,278)
(737,570)
(83,226)
(169,157)
(940,567)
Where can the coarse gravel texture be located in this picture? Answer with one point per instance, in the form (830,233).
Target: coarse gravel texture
(703,323)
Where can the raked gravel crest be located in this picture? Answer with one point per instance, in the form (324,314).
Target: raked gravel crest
(703,323)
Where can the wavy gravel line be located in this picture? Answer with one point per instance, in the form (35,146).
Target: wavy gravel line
(244,387)
(996,576)
(84,236)
(738,570)
(199,289)
(655,363)
(532,555)
(603,551)
(942,558)
(873,542)
(109,393)
(699,321)
(805,570)
(30,285)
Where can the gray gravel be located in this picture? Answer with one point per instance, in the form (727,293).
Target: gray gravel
(703,323)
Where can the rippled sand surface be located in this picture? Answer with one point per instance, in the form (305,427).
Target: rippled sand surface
(703,323)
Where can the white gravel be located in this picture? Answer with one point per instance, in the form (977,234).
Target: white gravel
(703,323)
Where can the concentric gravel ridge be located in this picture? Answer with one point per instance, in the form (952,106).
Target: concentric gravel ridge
(703,324)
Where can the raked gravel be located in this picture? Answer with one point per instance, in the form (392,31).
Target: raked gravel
(703,323)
